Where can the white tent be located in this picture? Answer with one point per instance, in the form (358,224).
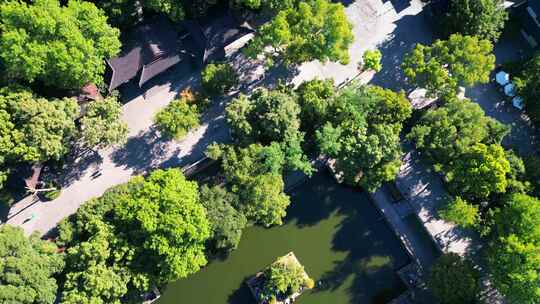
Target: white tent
(502,78)
(517,102)
(510,90)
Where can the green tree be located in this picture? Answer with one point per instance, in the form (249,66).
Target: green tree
(177,119)
(479,172)
(165,209)
(514,266)
(226,223)
(363,136)
(267,6)
(254,174)
(102,125)
(145,233)
(482,18)
(120,13)
(173,9)
(316,100)
(283,278)
(527,81)
(447,64)
(27,268)
(218,78)
(34,129)
(448,131)
(514,253)
(372,60)
(312,30)
(453,280)
(520,216)
(266,117)
(62,47)
(461,213)
(532,172)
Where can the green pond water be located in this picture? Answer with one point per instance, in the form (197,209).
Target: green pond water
(335,232)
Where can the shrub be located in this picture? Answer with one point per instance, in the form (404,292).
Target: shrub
(453,280)
(218,78)
(372,60)
(461,213)
(175,120)
(52,195)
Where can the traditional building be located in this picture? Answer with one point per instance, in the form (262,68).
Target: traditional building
(158,45)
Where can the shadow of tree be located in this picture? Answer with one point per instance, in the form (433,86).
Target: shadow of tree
(399,5)
(242,295)
(410,30)
(76,167)
(373,253)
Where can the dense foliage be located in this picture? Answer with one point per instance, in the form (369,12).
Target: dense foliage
(453,280)
(363,135)
(177,118)
(460,212)
(316,101)
(62,47)
(312,30)
(27,267)
(448,131)
(226,223)
(528,87)
(120,13)
(480,172)
(101,124)
(33,129)
(218,78)
(254,173)
(482,18)
(447,64)
(144,233)
(372,60)
(282,279)
(270,117)
(513,256)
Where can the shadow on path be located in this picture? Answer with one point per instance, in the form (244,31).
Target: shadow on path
(410,30)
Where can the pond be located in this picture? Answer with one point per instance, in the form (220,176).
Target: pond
(336,233)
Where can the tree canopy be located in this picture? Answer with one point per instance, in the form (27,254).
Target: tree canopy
(61,46)
(460,212)
(316,100)
(218,78)
(101,124)
(177,118)
(527,82)
(447,64)
(27,268)
(226,223)
(448,131)
(147,232)
(482,18)
(311,30)
(453,280)
(33,129)
(479,172)
(266,117)
(513,256)
(254,173)
(363,136)
(283,278)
